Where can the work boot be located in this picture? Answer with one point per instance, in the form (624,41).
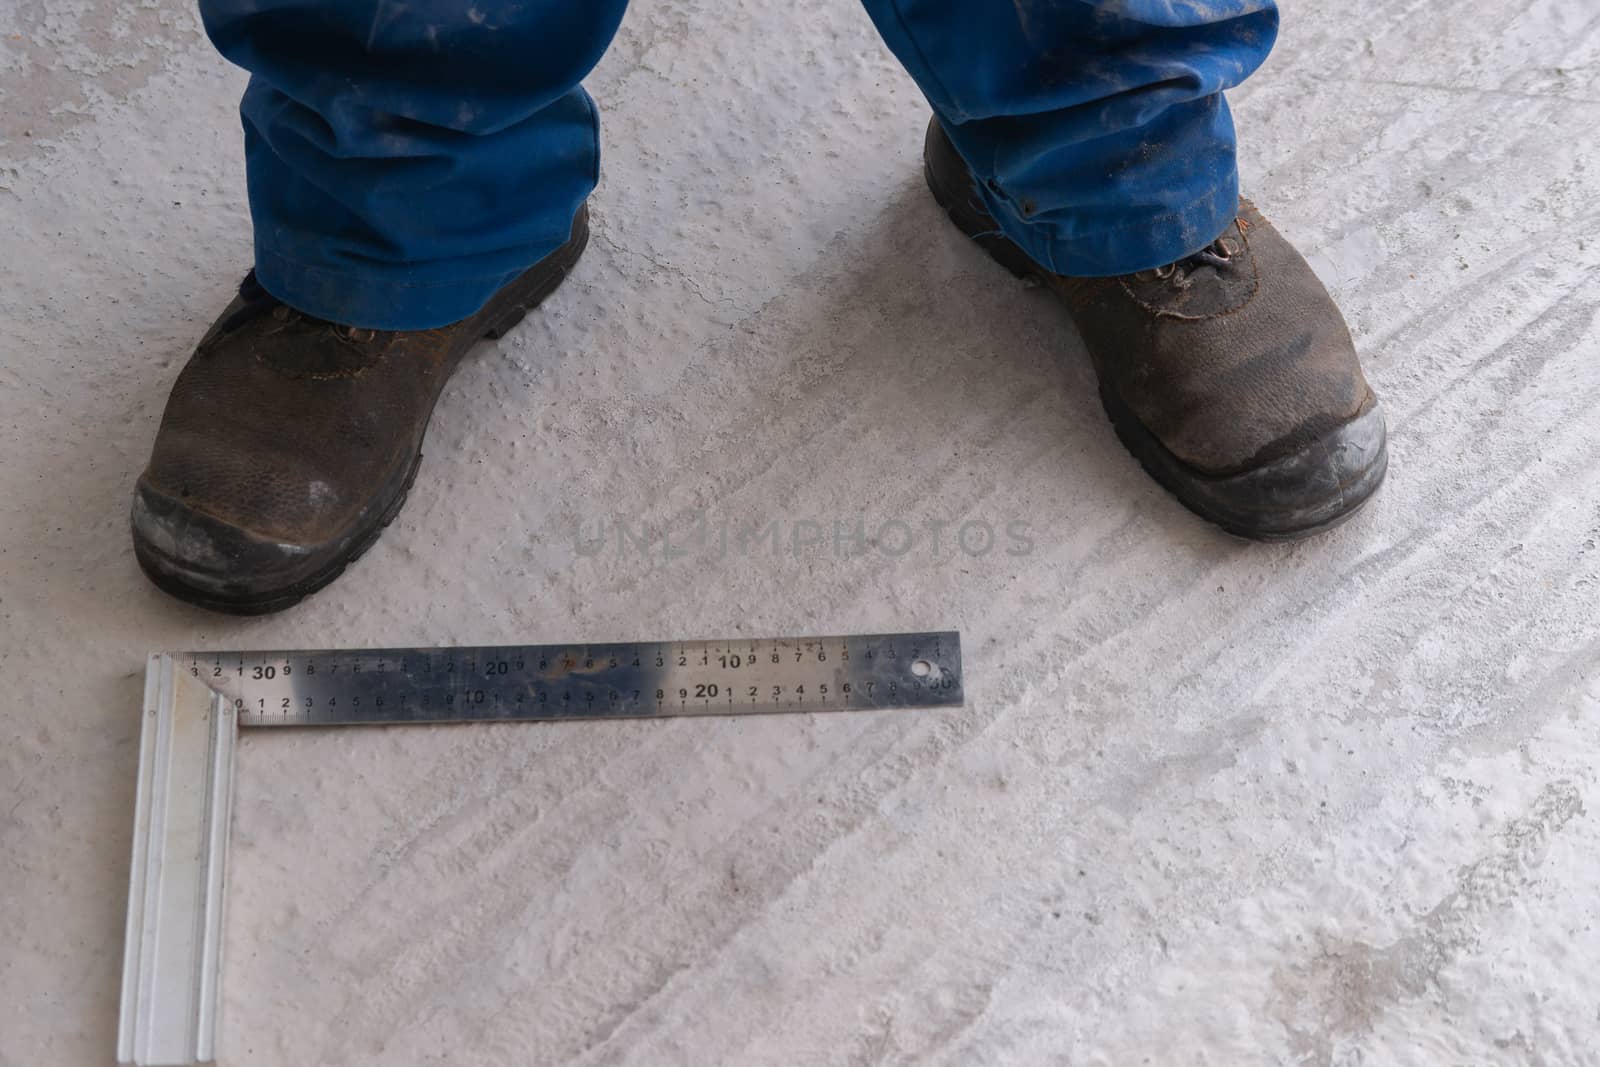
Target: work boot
(1230,374)
(289,443)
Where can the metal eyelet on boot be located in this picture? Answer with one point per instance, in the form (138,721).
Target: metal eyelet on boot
(354,334)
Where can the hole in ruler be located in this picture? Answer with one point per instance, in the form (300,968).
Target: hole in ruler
(922,668)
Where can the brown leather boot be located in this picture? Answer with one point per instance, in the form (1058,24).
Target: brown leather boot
(1230,375)
(288,443)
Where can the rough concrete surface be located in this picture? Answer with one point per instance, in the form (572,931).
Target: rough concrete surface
(1208,803)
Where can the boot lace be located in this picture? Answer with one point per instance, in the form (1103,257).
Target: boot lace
(1218,255)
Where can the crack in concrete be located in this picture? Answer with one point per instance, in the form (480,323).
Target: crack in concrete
(668,268)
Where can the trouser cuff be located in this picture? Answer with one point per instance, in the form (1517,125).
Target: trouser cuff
(1129,247)
(373,302)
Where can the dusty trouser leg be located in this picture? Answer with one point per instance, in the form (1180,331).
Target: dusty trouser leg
(406,161)
(1096,129)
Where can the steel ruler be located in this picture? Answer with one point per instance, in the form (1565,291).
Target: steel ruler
(196,702)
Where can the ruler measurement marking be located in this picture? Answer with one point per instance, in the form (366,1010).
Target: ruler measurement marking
(585,681)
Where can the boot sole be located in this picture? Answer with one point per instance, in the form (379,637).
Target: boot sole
(170,578)
(1259,504)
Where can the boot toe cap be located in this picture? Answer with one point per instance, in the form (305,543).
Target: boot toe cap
(1304,492)
(206,560)
(1298,494)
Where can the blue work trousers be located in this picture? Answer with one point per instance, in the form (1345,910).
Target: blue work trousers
(407,159)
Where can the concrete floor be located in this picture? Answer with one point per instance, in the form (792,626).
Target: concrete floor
(1208,802)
